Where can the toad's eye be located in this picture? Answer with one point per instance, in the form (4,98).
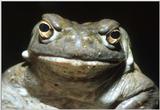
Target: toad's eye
(45,30)
(113,37)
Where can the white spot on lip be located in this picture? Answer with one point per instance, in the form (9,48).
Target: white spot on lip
(25,54)
(74,62)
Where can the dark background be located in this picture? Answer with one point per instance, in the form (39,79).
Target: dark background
(140,19)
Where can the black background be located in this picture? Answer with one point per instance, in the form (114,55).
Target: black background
(140,19)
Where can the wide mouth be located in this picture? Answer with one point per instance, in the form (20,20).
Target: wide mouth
(73,62)
(69,67)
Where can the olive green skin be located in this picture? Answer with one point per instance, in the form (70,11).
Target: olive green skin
(87,71)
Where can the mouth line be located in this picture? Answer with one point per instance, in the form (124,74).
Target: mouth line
(74,62)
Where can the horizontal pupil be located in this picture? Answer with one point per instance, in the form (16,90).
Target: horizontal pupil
(115,34)
(44,27)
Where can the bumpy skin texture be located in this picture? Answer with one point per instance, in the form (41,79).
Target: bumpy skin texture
(77,67)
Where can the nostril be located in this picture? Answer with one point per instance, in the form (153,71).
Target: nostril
(56,84)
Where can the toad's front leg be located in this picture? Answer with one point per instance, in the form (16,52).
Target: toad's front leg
(143,100)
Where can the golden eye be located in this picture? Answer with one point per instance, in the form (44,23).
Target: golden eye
(45,30)
(113,37)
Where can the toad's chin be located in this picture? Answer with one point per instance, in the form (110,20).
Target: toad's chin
(75,68)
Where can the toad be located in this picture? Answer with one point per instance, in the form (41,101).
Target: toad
(72,65)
